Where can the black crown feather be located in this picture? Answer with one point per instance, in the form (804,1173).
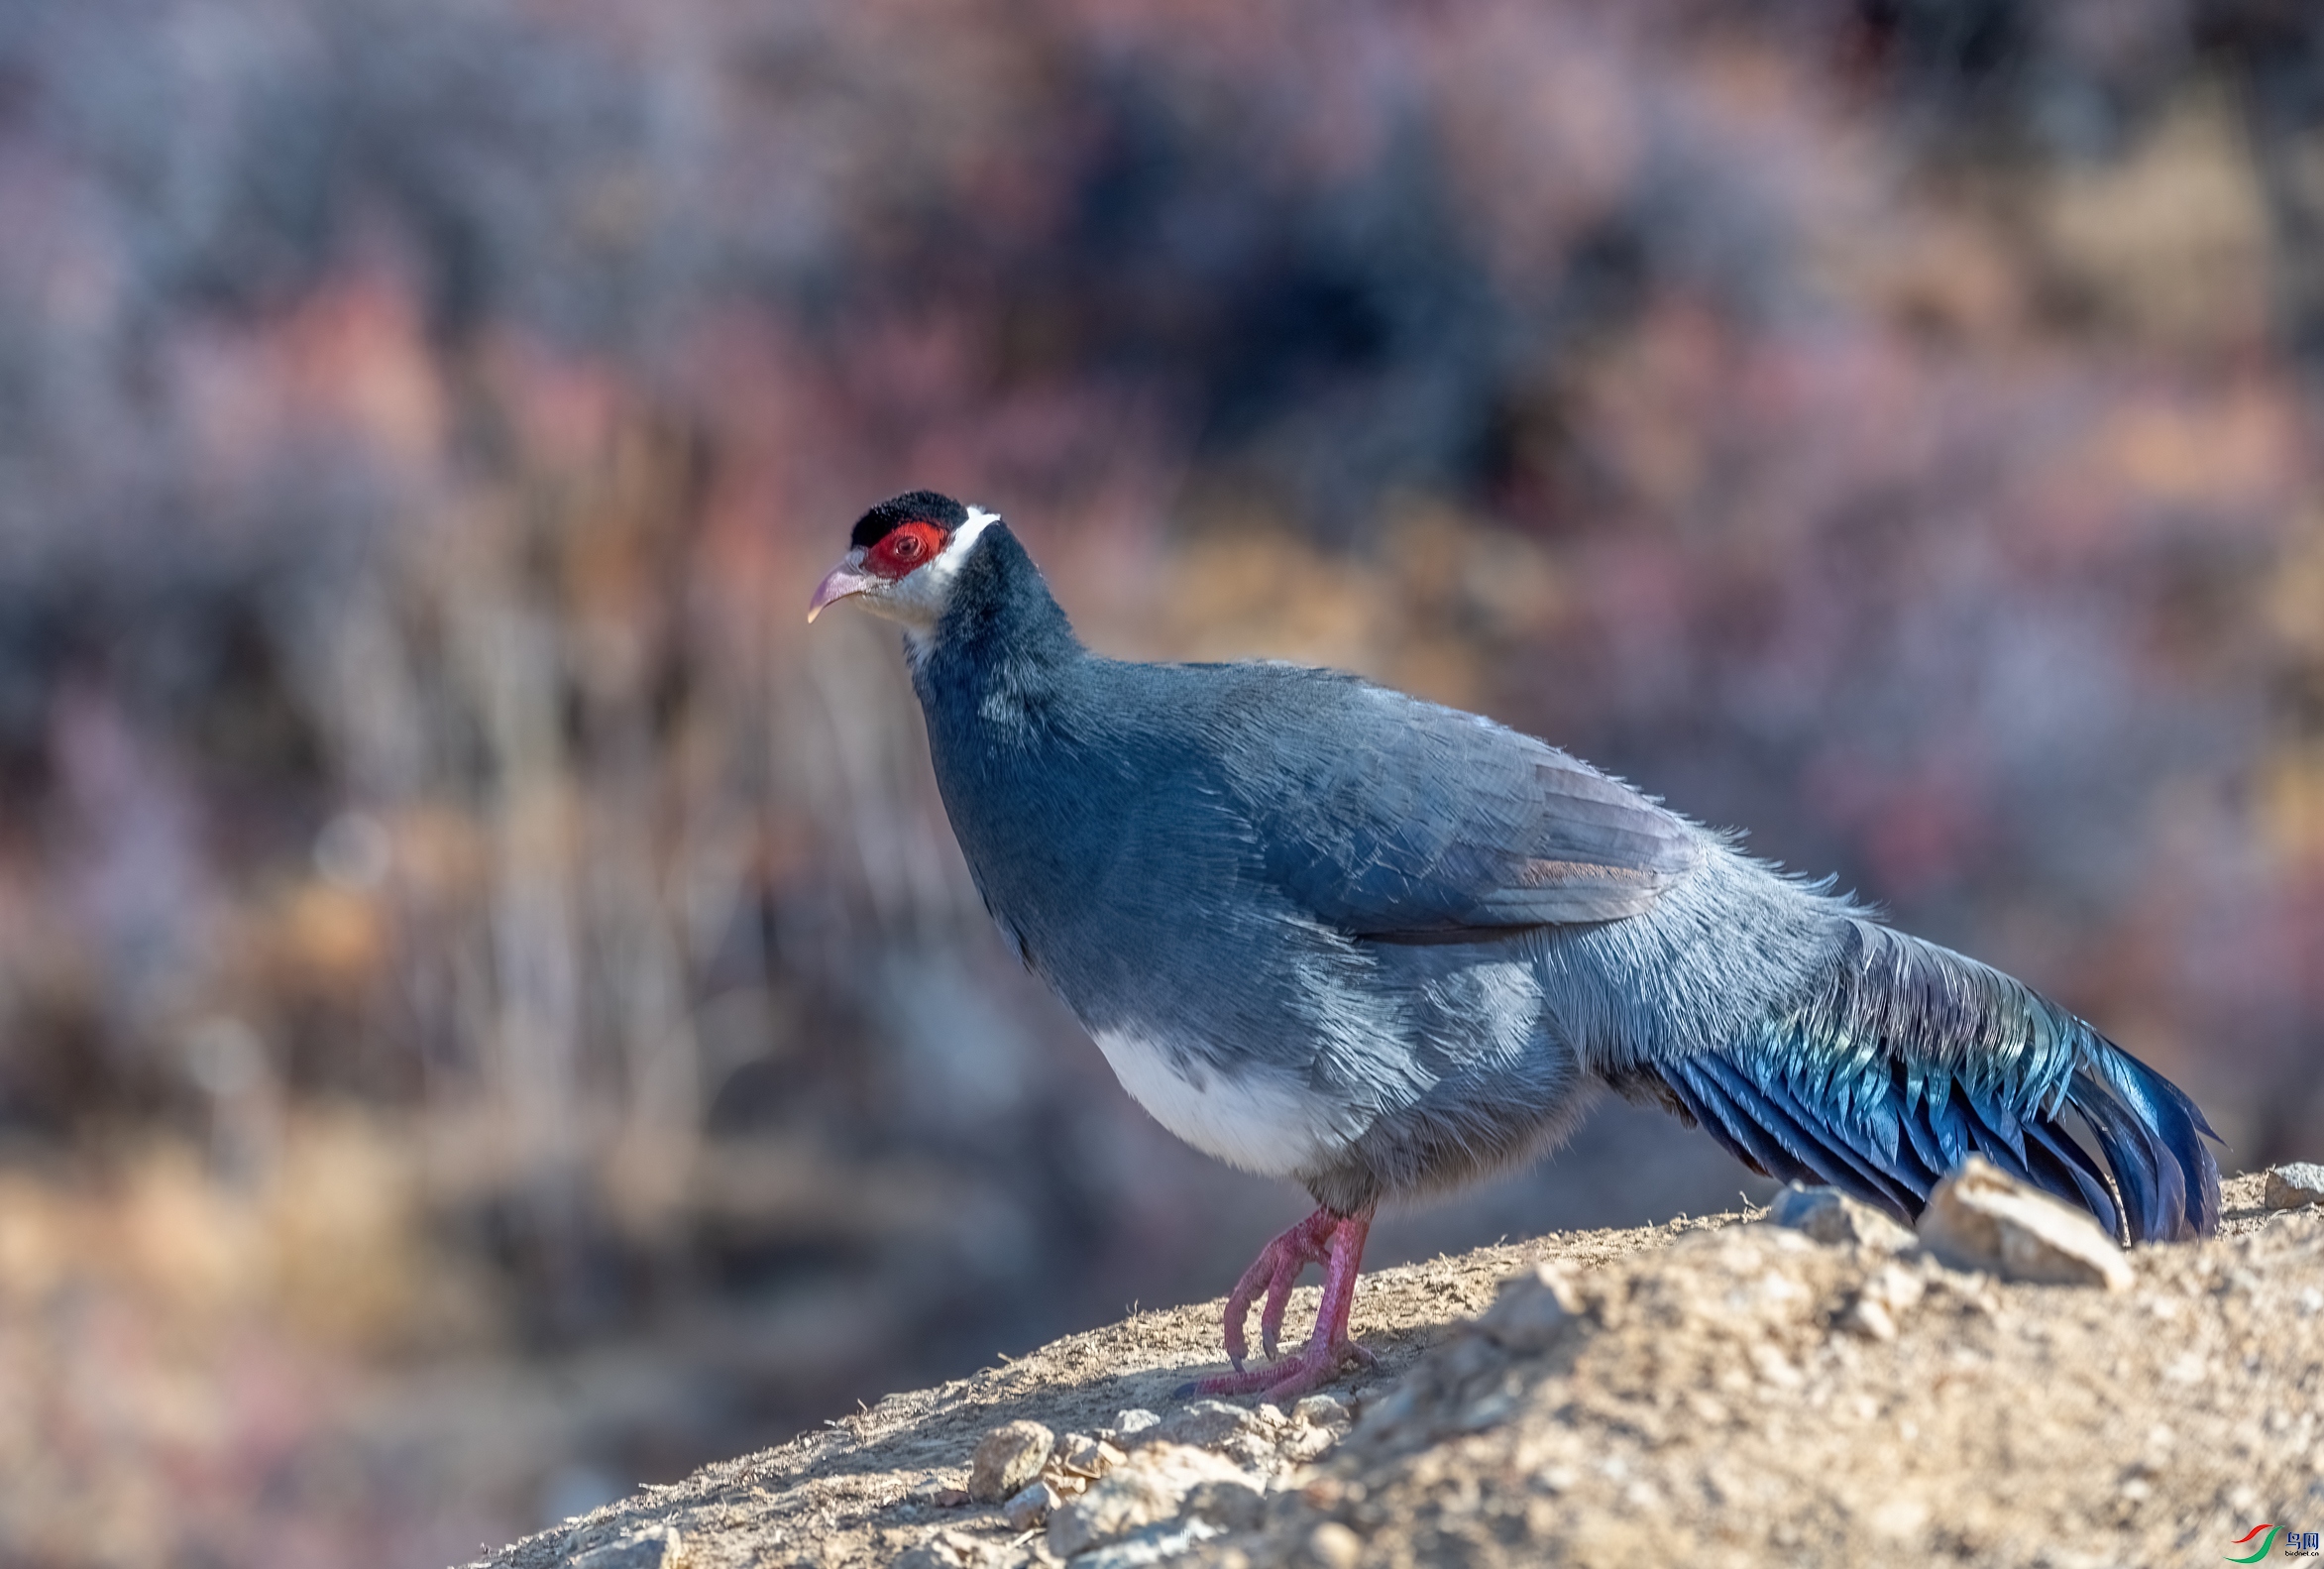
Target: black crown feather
(913,506)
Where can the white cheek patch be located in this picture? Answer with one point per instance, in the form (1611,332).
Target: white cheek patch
(946,566)
(1249,1122)
(919,600)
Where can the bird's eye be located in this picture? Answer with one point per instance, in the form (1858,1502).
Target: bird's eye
(905,547)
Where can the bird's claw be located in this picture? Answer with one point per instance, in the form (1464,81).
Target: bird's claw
(1337,1242)
(1275,1271)
(1285,1381)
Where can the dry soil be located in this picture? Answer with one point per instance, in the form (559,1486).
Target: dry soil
(1715,1390)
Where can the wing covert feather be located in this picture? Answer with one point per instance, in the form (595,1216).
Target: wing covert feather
(1392,817)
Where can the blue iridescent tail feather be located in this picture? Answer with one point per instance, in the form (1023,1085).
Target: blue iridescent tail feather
(1905,1059)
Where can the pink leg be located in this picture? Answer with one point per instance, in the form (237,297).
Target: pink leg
(1337,1242)
(1275,1270)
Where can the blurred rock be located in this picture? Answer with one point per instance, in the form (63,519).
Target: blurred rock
(949,1549)
(1163,1542)
(1150,1487)
(1831,1217)
(1204,1424)
(1881,1302)
(1870,1318)
(1307,1444)
(1257,1450)
(1009,1457)
(1532,1311)
(1332,1545)
(1031,1506)
(1980,1219)
(1090,1457)
(655,1547)
(1893,1289)
(2291,1185)
(1232,1504)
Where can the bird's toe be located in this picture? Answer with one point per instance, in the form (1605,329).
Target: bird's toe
(1312,1371)
(1287,1380)
(1242,1381)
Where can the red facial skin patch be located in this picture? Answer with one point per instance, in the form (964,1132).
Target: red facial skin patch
(904,549)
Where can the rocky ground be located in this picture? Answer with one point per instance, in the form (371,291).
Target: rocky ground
(1811,1384)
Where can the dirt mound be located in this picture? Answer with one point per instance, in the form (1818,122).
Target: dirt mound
(1714,1390)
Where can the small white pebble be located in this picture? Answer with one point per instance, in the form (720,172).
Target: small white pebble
(1867,1317)
(1332,1545)
(1082,1453)
(1307,1445)
(1031,1507)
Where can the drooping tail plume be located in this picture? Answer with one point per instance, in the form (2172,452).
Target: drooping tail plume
(1907,1057)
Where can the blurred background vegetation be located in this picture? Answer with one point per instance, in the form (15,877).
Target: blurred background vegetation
(490,1010)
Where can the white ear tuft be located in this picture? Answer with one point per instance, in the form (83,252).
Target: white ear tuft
(917,600)
(947,562)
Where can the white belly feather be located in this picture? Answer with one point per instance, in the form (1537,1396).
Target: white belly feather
(1252,1122)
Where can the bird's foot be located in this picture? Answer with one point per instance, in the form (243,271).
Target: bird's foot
(1285,1381)
(1275,1271)
(1337,1242)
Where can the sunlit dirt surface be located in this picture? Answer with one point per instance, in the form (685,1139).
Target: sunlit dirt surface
(1713,1395)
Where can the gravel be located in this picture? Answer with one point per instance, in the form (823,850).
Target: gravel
(1009,1457)
(2291,1187)
(1711,1392)
(1980,1218)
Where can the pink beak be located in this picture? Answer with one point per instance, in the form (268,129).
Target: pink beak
(845,579)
